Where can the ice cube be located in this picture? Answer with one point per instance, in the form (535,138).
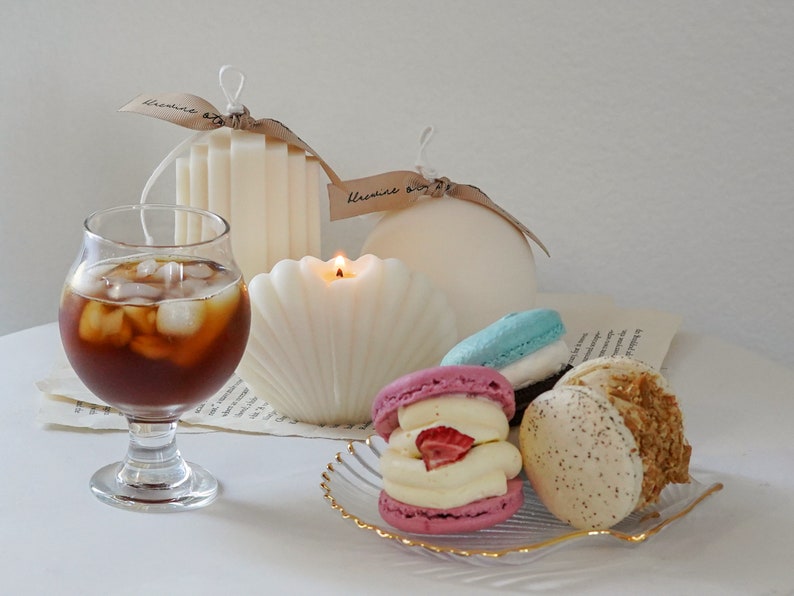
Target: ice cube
(223,303)
(220,309)
(153,347)
(146,268)
(101,323)
(181,318)
(121,291)
(190,288)
(143,318)
(89,282)
(170,273)
(87,285)
(198,271)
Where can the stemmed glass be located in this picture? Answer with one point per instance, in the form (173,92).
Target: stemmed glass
(154,318)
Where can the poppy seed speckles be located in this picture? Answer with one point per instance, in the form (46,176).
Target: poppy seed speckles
(584,467)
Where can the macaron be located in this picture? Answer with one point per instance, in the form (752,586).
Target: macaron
(604,442)
(649,409)
(474,381)
(448,467)
(471,517)
(525,347)
(580,459)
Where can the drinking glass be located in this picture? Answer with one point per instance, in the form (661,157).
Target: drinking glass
(154,318)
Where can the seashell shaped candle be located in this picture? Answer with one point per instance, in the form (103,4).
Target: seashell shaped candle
(326,336)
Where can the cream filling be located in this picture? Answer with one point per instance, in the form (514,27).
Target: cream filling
(484,470)
(481,419)
(539,365)
(482,473)
(454,410)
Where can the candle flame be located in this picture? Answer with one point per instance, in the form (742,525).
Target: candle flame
(339,263)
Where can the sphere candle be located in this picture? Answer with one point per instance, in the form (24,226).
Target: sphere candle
(326,336)
(483,263)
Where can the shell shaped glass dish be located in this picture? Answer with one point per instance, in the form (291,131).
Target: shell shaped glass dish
(352,484)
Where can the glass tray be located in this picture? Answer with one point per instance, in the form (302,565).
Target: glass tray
(352,482)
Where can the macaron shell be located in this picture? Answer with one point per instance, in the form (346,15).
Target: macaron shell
(580,457)
(512,337)
(649,409)
(466,518)
(437,381)
(588,372)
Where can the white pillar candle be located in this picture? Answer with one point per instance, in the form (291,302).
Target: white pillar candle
(182,198)
(313,246)
(277,231)
(326,336)
(266,189)
(219,172)
(248,205)
(483,263)
(198,188)
(298,204)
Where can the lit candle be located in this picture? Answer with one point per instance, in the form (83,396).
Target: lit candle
(483,263)
(326,336)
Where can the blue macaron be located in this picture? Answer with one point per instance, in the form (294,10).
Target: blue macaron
(511,338)
(518,337)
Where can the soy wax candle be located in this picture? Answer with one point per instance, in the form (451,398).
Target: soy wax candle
(326,336)
(480,260)
(470,248)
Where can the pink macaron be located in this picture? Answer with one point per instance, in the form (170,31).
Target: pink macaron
(480,514)
(469,381)
(476,381)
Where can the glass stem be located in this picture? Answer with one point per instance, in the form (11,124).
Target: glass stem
(153,461)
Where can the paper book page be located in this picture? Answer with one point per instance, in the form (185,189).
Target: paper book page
(595,327)
(66,401)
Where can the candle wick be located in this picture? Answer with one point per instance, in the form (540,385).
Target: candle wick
(340,273)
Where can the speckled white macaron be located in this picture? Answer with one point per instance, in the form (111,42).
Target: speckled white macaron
(600,373)
(581,459)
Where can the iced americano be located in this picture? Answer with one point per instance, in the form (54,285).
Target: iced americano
(154,336)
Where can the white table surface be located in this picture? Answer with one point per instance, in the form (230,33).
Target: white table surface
(271,532)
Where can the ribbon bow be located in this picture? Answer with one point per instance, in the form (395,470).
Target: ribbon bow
(191,111)
(395,190)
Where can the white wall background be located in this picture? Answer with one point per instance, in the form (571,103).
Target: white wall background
(649,144)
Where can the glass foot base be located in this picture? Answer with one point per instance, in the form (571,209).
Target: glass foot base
(198,490)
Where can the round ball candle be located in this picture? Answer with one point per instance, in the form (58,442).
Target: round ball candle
(326,336)
(479,259)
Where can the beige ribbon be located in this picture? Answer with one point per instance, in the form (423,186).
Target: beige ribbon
(198,114)
(394,190)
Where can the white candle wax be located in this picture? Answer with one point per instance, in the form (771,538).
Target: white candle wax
(219,172)
(326,337)
(313,246)
(198,188)
(277,230)
(248,205)
(298,203)
(482,262)
(182,198)
(266,189)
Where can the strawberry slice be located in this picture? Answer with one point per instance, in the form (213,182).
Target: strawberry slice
(442,445)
